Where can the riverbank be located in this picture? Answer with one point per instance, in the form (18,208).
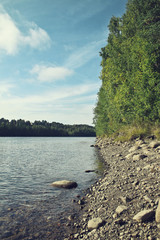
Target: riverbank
(129,186)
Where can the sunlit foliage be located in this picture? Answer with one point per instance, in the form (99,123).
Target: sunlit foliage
(130,90)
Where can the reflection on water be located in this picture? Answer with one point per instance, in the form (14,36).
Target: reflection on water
(30,208)
(28,166)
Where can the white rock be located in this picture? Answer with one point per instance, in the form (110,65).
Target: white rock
(120,209)
(154,144)
(65,184)
(134,148)
(130,155)
(144,215)
(95,223)
(147,167)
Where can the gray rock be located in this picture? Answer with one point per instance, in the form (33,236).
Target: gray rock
(65,184)
(95,223)
(144,215)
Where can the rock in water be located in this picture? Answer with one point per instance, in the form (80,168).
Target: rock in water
(65,184)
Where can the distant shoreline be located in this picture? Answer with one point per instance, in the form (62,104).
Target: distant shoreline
(22,128)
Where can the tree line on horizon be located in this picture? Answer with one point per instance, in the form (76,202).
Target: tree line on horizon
(130,75)
(22,128)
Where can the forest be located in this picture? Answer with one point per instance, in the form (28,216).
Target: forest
(130,77)
(22,128)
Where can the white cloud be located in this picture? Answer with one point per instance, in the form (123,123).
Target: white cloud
(11,38)
(48,74)
(37,38)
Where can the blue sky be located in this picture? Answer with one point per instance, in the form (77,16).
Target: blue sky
(49,57)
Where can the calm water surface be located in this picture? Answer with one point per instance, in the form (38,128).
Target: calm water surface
(28,166)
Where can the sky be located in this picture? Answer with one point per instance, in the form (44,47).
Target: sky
(49,57)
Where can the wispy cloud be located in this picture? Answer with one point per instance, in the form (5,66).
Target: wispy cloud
(11,38)
(5,89)
(49,74)
(65,104)
(84,54)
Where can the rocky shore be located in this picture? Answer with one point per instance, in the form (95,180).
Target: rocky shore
(123,204)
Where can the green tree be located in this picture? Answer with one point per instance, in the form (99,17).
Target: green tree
(130,91)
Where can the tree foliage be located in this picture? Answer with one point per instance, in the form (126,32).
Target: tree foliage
(43,129)
(130,91)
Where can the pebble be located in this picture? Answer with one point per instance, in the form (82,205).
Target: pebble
(120,209)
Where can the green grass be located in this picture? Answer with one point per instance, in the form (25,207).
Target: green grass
(131,132)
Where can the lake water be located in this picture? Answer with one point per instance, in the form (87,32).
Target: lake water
(29,165)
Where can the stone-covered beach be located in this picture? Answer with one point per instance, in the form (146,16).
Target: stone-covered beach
(123,204)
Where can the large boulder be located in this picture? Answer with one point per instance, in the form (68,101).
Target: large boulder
(145,215)
(65,184)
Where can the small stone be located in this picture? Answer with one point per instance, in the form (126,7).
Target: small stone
(138,157)
(147,199)
(120,209)
(144,215)
(81,202)
(134,148)
(154,144)
(139,169)
(130,155)
(120,222)
(115,215)
(76,235)
(125,200)
(135,234)
(147,167)
(10,209)
(95,223)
